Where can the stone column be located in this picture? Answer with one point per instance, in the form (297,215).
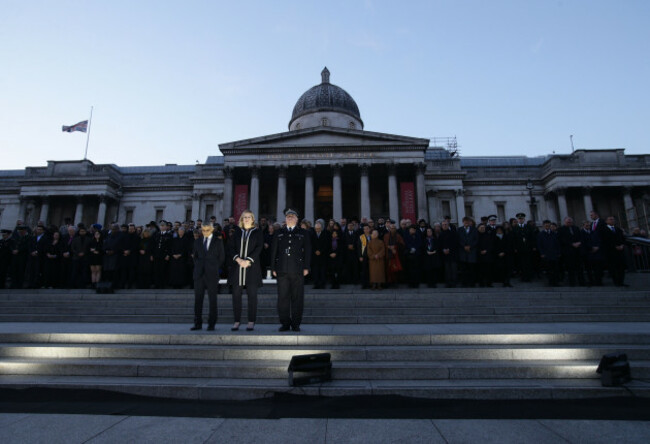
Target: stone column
(433,205)
(365,191)
(337,191)
(421,192)
(227,191)
(45,208)
(218,208)
(254,203)
(627,198)
(628,203)
(23,208)
(586,197)
(309,193)
(101,212)
(196,206)
(460,205)
(393,200)
(561,203)
(282,193)
(79,212)
(551,212)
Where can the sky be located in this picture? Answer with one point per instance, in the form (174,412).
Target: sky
(169,81)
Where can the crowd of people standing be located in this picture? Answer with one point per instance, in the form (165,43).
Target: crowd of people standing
(373,254)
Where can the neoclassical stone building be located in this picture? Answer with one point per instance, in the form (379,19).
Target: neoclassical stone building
(326,165)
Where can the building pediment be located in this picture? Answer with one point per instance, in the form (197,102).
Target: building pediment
(323,138)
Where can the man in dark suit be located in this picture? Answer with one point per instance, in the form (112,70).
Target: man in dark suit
(467,256)
(208,257)
(320,243)
(613,242)
(350,273)
(549,251)
(6,247)
(571,244)
(290,262)
(161,253)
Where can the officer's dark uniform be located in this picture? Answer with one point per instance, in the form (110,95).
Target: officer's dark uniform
(290,255)
(525,243)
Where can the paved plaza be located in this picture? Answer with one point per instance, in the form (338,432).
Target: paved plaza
(69,429)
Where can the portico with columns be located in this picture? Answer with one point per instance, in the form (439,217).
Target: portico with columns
(326,165)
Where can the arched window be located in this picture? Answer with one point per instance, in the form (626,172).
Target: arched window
(351,125)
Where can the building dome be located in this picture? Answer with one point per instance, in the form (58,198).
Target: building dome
(325,105)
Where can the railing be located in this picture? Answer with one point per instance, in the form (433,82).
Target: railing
(638,253)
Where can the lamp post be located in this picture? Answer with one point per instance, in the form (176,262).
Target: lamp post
(533,202)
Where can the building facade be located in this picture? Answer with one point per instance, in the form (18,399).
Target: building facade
(326,165)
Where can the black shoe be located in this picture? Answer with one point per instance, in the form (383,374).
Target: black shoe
(284,328)
(196,327)
(296,328)
(210,328)
(235,328)
(250,327)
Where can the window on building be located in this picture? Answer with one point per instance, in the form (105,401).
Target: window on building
(468,210)
(209,211)
(188,214)
(159,214)
(446,209)
(501,212)
(324,121)
(128,219)
(352,125)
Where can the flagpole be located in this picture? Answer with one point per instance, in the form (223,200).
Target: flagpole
(88,133)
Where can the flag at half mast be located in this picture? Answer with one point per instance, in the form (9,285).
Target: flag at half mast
(81,126)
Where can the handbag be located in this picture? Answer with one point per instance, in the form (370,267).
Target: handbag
(395,264)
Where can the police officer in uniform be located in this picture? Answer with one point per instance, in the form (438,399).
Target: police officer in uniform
(290,262)
(525,243)
(491,226)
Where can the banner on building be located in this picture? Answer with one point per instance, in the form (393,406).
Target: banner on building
(241,201)
(407,201)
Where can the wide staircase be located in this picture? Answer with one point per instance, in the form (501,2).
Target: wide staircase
(528,342)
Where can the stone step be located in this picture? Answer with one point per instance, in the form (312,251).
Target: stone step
(341,370)
(399,353)
(384,337)
(330,311)
(470,294)
(638,316)
(243,389)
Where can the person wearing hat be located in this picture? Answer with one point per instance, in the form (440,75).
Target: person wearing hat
(491,225)
(290,263)
(6,247)
(525,244)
